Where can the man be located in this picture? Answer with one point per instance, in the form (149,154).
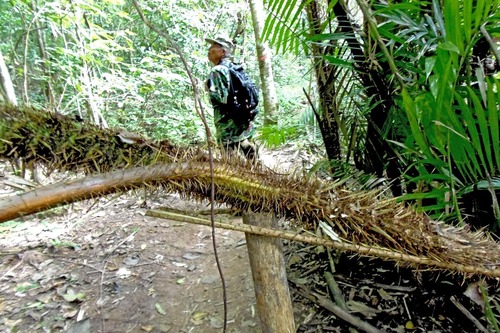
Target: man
(231,134)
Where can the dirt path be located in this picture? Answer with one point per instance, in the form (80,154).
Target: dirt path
(103,266)
(108,268)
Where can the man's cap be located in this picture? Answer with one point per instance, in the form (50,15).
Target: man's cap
(225,42)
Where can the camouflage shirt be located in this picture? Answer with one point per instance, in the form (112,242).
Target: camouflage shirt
(218,83)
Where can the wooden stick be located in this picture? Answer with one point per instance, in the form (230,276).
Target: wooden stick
(339,245)
(336,310)
(468,314)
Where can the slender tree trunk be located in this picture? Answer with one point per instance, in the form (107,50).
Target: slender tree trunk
(6,86)
(325,78)
(49,92)
(86,75)
(264,56)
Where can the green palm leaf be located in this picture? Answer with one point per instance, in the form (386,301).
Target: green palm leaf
(284,27)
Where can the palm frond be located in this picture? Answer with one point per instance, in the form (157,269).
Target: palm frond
(285,25)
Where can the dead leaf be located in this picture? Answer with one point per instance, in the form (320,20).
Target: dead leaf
(361,308)
(147,328)
(216,322)
(385,295)
(111,266)
(69,312)
(81,313)
(123,273)
(132,260)
(198,317)
(474,294)
(190,256)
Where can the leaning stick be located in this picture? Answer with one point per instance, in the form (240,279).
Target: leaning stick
(338,245)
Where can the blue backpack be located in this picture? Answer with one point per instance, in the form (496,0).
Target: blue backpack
(243,95)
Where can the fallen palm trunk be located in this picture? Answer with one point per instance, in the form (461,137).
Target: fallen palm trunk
(357,218)
(191,179)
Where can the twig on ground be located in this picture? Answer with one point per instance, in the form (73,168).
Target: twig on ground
(97,270)
(469,315)
(218,211)
(406,308)
(336,310)
(11,270)
(113,249)
(395,288)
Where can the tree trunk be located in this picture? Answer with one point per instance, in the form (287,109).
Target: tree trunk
(49,92)
(325,78)
(377,156)
(6,86)
(269,276)
(264,57)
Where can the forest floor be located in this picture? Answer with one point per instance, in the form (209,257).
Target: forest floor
(104,266)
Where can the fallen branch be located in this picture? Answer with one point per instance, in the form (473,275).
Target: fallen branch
(335,291)
(469,315)
(336,310)
(339,245)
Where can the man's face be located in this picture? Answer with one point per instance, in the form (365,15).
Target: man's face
(215,53)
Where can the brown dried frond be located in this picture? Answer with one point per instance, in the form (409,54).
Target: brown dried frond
(62,143)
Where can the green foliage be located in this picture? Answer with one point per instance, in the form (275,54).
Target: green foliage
(488,309)
(273,136)
(286,26)
(101,61)
(452,108)
(21,288)
(59,243)
(288,29)
(445,125)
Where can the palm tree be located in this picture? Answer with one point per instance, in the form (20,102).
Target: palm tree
(422,74)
